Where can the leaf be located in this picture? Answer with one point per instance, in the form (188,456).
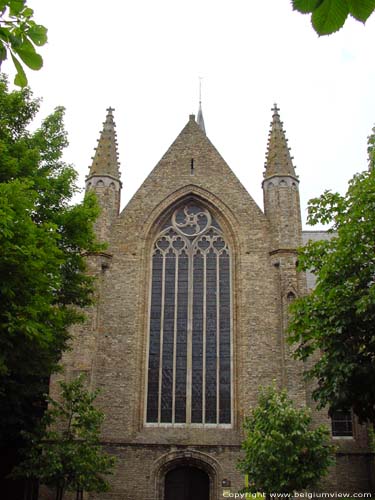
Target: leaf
(20,78)
(361,9)
(330,16)
(306,6)
(28,54)
(30,57)
(27,13)
(4,34)
(15,6)
(38,34)
(15,39)
(3,52)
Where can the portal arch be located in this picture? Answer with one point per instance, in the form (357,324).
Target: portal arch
(186,458)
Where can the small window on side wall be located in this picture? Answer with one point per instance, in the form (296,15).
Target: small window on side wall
(342,423)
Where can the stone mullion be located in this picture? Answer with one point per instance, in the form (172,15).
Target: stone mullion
(231,339)
(204,340)
(175,339)
(189,342)
(217,338)
(161,337)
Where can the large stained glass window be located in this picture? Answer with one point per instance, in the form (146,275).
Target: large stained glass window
(189,365)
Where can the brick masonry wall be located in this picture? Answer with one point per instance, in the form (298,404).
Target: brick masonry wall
(112,345)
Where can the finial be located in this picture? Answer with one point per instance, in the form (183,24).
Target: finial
(200,89)
(279,160)
(105,162)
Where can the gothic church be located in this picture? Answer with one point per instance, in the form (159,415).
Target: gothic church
(190,317)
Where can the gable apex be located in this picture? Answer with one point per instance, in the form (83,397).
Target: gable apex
(192,160)
(193,154)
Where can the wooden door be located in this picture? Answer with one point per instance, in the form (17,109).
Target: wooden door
(187,483)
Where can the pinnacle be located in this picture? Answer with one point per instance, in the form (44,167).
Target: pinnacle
(105,161)
(278,159)
(200,119)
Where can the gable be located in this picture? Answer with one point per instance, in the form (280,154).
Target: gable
(193,166)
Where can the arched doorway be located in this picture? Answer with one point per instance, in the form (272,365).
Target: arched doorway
(187,483)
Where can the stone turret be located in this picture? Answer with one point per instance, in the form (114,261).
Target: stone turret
(104,180)
(104,177)
(282,208)
(280,189)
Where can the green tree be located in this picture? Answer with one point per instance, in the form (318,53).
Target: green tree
(43,240)
(282,453)
(65,453)
(371,149)
(328,16)
(337,319)
(19,37)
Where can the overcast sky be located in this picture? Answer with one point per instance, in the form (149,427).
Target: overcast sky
(144,58)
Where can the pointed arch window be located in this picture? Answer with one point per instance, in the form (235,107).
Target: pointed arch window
(190,322)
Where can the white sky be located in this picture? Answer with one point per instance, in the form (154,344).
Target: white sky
(144,58)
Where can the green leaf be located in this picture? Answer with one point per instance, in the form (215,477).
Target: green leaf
(20,78)
(31,59)
(15,40)
(15,6)
(38,34)
(3,52)
(4,34)
(306,6)
(361,9)
(27,13)
(25,44)
(330,16)
(28,55)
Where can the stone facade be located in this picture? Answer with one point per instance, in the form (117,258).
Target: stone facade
(112,346)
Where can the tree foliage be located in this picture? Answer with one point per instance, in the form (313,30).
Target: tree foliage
(19,37)
(282,453)
(42,265)
(337,319)
(65,452)
(328,16)
(371,149)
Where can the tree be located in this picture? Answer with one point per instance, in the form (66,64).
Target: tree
(65,452)
(282,453)
(19,35)
(337,319)
(42,265)
(371,149)
(328,16)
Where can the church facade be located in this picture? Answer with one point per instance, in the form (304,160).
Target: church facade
(190,319)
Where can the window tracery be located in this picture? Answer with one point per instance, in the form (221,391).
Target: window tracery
(189,363)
